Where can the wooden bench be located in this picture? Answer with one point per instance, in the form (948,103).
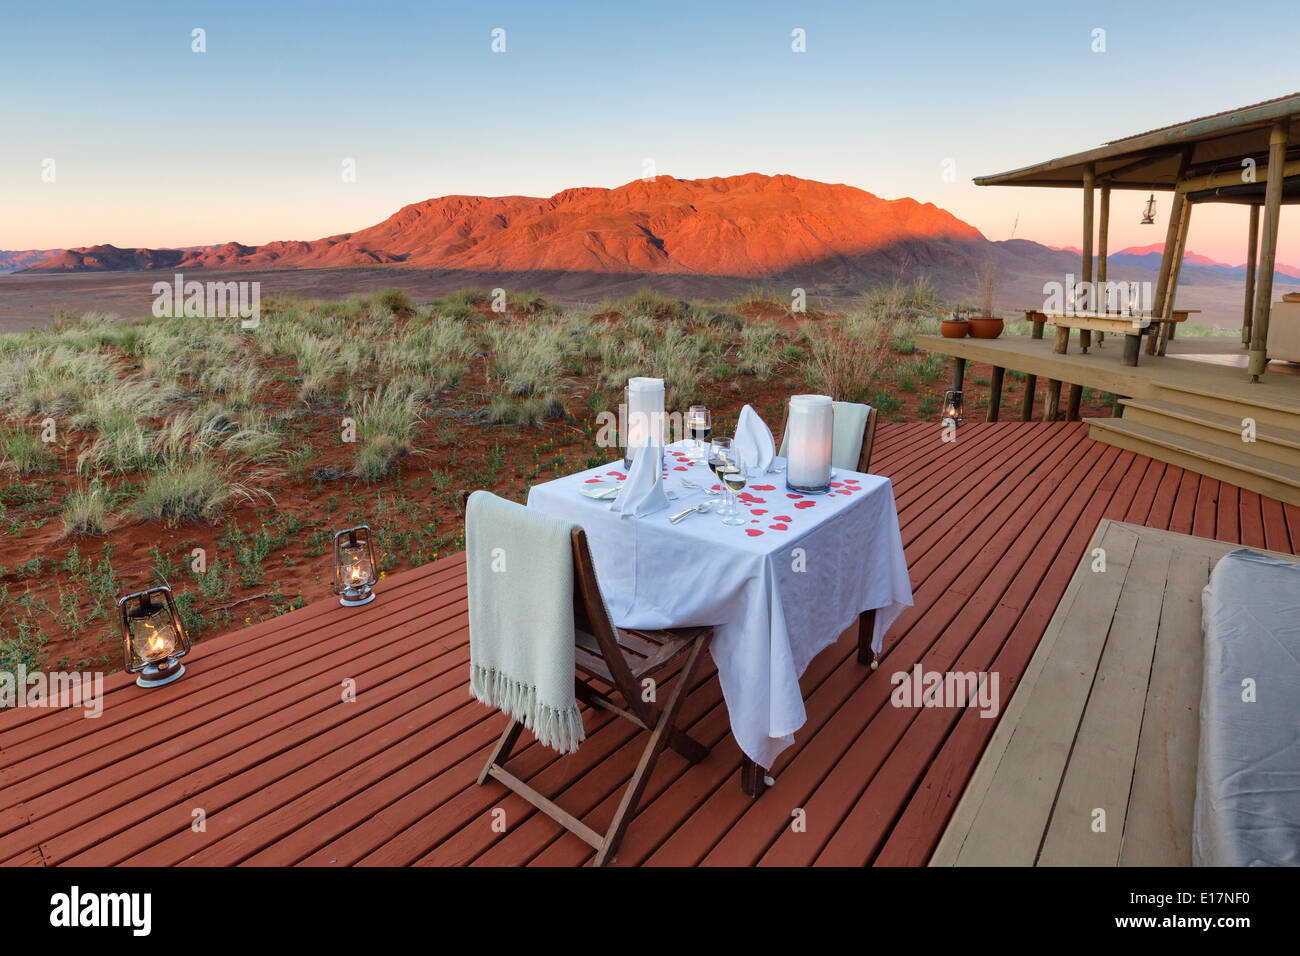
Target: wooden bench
(1105,718)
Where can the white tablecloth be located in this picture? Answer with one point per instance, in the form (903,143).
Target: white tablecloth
(777,590)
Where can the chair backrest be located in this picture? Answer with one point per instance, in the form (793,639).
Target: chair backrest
(868,435)
(590,613)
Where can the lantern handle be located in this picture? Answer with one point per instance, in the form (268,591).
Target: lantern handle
(118,573)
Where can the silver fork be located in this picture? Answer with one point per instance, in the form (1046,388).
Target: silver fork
(691,484)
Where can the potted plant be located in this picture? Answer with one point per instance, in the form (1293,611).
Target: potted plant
(954,328)
(986,325)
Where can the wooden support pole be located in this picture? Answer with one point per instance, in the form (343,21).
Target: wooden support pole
(1252,256)
(1052,401)
(1103,230)
(1088,304)
(995,394)
(1027,400)
(958,373)
(1132,346)
(1268,250)
(1072,404)
(1171,234)
(1180,248)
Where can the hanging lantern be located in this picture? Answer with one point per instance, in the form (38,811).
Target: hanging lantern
(153,639)
(952,408)
(354,566)
(1149,214)
(811,430)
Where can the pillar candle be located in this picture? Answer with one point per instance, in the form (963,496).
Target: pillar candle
(645,414)
(811,428)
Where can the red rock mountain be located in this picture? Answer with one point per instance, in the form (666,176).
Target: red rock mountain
(745,226)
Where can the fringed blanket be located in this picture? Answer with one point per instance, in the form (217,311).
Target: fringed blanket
(521,634)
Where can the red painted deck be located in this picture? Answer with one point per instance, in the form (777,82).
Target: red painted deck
(257,737)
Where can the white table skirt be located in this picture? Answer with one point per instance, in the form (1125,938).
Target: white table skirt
(777,590)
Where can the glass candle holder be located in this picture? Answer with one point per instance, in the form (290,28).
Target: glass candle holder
(811,432)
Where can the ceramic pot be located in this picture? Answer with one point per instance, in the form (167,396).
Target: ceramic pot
(954,328)
(984,327)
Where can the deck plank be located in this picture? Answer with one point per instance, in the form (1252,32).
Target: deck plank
(1102,756)
(1158,823)
(1037,747)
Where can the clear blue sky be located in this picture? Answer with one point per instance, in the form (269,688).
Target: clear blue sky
(156,145)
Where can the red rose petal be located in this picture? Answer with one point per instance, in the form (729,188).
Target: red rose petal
(758,511)
(752,532)
(794,496)
(764,487)
(783,518)
(804,504)
(779,527)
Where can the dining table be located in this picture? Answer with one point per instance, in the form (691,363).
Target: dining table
(777,589)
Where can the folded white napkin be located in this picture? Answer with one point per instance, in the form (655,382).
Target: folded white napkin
(643,492)
(753,442)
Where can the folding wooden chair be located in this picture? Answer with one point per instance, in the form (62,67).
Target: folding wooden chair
(621,660)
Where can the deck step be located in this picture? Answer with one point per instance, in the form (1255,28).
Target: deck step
(1271,441)
(1244,469)
(1272,401)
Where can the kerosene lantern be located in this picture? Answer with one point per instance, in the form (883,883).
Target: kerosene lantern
(354,566)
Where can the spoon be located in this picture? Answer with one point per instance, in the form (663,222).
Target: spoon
(704,507)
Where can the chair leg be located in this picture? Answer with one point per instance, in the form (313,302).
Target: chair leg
(653,748)
(867,628)
(501,752)
(686,745)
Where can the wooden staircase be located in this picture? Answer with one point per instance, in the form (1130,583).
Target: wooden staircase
(1208,433)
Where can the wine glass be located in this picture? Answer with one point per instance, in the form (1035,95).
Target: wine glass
(720,456)
(734,480)
(699,427)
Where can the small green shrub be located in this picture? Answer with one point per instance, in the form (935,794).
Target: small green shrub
(24,452)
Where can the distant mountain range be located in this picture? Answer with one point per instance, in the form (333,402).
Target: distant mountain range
(22,259)
(1148,257)
(751,226)
(695,237)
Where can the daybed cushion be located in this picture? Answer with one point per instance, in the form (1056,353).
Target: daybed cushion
(1248,774)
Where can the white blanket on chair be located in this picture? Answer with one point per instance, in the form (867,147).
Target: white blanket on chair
(521,634)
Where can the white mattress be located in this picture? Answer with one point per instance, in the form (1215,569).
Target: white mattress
(1248,774)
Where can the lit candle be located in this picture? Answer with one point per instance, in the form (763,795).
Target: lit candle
(645,414)
(811,430)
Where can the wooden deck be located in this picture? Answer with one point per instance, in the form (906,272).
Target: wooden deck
(257,737)
(1107,718)
(1189,409)
(1213,365)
